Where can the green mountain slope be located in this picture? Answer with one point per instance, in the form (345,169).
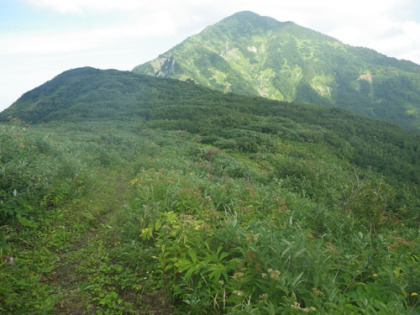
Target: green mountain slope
(132,194)
(254,55)
(250,124)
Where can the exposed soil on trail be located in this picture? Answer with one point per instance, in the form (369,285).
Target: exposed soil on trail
(73,276)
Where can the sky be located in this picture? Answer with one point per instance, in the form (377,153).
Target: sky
(39,39)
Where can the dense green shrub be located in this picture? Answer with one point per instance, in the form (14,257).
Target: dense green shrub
(35,176)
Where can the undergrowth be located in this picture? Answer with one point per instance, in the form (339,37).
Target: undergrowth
(115,218)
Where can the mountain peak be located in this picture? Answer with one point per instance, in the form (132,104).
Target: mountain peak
(244,15)
(249,20)
(250,54)
(248,16)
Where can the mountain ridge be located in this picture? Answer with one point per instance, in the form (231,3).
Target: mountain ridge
(254,55)
(89,94)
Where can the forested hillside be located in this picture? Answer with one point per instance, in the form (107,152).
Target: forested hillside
(123,193)
(255,55)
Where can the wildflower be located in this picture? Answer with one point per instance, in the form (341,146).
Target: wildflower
(399,243)
(414,294)
(238,293)
(250,238)
(297,306)
(208,199)
(273,273)
(375,275)
(264,275)
(264,296)
(317,292)
(310,236)
(331,248)
(237,275)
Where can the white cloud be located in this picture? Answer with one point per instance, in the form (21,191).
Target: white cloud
(404,43)
(393,38)
(77,6)
(59,41)
(73,6)
(366,23)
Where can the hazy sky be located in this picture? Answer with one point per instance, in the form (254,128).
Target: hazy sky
(39,39)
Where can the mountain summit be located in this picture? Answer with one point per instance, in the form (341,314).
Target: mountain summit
(255,55)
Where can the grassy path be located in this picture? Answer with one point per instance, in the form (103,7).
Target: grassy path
(72,276)
(78,261)
(92,275)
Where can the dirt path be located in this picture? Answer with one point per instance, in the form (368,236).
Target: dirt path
(94,276)
(72,274)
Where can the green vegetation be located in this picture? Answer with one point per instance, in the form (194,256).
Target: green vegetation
(131,194)
(253,55)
